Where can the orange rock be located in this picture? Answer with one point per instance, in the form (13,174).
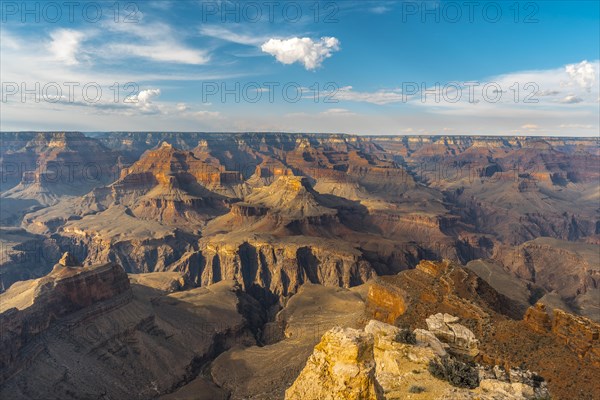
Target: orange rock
(579,333)
(386,302)
(537,318)
(434,269)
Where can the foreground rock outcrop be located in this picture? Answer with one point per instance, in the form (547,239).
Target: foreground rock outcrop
(560,347)
(375,364)
(342,366)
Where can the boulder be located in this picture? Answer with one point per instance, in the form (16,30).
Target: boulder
(342,366)
(460,339)
(428,339)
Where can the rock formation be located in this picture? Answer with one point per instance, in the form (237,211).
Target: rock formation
(68,260)
(86,332)
(342,366)
(45,167)
(266,371)
(374,364)
(579,334)
(505,337)
(387,302)
(256,219)
(29,308)
(446,328)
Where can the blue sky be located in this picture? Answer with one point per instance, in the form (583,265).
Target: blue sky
(504,68)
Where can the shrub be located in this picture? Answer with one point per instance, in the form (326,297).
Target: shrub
(416,389)
(457,373)
(406,336)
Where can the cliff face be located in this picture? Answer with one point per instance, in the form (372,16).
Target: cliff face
(48,165)
(579,334)
(543,261)
(85,331)
(23,254)
(30,307)
(387,302)
(271,270)
(444,284)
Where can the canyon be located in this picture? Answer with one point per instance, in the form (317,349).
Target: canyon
(182,265)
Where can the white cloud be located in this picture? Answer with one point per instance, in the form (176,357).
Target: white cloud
(166,52)
(378,97)
(337,111)
(546,93)
(530,127)
(64,45)
(576,126)
(583,74)
(222,33)
(206,114)
(146,95)
(306,51)
(8,41)
(143,100)
(155,42)
(571,99)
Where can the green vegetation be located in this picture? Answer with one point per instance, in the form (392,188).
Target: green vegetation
(457,373)
(406,336)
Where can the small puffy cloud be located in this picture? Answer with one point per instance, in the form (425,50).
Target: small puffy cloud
(185,111)
(203,114)
(310,53)
(65,45)
(571,99)
(145,95)
(530,127)
(583,74)
(143,100)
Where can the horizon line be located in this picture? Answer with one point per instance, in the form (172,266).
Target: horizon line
(309,133)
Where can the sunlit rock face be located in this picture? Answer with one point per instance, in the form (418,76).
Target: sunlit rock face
(373,364)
